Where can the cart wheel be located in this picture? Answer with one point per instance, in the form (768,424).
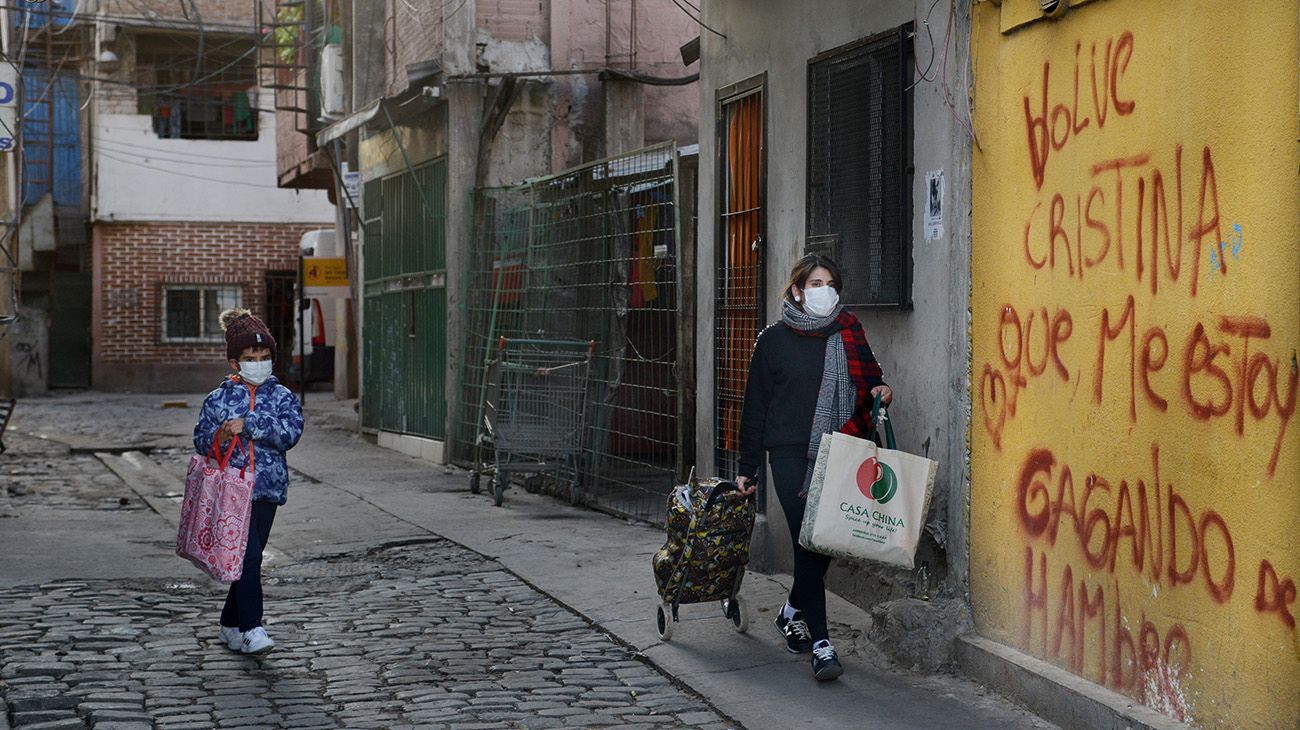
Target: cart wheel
(664,621)
(474,486)
(498,492)
(736,610)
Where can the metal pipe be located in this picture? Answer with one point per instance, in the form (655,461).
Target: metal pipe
(604,71)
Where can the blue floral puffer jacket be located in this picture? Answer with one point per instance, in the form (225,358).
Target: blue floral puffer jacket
(274,424)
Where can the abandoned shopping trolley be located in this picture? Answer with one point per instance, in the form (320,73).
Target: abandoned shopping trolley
(536,412)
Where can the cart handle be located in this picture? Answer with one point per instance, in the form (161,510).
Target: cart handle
(718,491)
(575,344)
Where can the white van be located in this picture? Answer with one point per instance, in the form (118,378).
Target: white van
(321,316)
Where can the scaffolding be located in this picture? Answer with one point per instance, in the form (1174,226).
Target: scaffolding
(44,47)
(591,254)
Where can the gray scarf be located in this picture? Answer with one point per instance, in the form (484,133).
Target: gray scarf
(838,396)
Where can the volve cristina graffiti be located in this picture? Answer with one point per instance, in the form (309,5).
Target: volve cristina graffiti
(1135,459)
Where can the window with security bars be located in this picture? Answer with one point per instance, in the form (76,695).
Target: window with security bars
(742,179)
(193,313)
(860,166)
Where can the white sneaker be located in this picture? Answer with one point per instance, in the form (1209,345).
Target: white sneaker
(256,641)
(232,637)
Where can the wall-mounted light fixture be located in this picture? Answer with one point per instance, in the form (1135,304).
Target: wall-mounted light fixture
(1054,8)
(108,62)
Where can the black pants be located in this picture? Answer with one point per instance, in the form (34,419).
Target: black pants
(809,591)
(244,601)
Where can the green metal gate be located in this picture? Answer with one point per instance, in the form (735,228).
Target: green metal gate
(404,326)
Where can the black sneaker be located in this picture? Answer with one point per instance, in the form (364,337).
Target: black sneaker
(825,664)
(798,639)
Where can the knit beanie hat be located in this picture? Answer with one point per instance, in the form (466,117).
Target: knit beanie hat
(244,330)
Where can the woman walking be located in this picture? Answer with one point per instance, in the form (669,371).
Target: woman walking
(252,406)
(811,374)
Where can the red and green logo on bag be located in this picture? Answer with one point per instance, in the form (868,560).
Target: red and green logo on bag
(877,481)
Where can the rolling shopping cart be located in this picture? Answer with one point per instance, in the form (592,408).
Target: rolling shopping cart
(707,549)
(537,413)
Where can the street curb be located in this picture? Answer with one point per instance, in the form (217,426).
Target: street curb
(1053,693)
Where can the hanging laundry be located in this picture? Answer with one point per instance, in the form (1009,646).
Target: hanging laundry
(242,112)
(642,277)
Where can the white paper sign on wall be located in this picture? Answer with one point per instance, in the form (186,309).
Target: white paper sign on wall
(934,205)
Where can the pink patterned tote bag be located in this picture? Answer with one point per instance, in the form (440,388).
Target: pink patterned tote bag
(213,533)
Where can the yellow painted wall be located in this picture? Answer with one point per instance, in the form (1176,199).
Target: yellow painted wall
(1135,508)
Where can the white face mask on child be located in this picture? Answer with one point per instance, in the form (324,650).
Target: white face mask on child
(255,372)
(820,301)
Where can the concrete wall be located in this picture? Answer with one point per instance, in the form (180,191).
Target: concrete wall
(28,352)
(1135,329)
(924,351)
(141,177)
(581,36)
(412,33)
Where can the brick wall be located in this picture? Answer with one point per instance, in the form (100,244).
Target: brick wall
(515,20)
(134,261)
(290,144)
(414,34)
(210,12)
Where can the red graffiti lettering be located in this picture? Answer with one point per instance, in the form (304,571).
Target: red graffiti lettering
(1050,126)
(1109,333)
(1275,596)
(1198,544)
(1070,622)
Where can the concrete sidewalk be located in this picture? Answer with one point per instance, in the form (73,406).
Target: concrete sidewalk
(600,567)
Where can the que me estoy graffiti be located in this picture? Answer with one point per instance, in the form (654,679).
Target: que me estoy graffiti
(1150,226)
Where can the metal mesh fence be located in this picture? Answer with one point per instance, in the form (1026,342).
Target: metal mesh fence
(589,254)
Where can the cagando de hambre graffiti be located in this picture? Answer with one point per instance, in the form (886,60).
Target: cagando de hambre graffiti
(1145,527)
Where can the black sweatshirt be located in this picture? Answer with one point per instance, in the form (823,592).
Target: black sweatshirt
(785,375)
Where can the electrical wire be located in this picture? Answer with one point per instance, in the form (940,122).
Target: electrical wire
(179,157)
(187,154)
(195,82)
(72,19)
(198,57)
(698,21)
(924,75)
(186,175)
(968,122)
(144,19)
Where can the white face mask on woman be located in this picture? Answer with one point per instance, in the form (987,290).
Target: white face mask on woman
(820,301)
(255,372)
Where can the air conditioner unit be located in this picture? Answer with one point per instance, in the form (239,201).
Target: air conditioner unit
(333,103)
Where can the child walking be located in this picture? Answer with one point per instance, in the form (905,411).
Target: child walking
(252,406)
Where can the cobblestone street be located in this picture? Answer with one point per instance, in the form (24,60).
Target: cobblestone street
(412,633)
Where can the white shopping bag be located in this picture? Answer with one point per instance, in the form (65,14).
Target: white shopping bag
(867,502)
